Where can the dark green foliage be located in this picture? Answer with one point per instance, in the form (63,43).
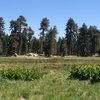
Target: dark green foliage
(3,38)
(50,39)
(94,39)
(80,42)
(99,52)
(44,25)
(83,41)
(36,46)
(30,34)
(86,72)
(61,49)
(81,72)
(71,36)
(20,39)
(21,74)
(58,46)
(88,40)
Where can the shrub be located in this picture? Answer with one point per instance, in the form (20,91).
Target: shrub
(86,72)
(21,74)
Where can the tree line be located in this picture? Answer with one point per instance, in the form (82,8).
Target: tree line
(79,41)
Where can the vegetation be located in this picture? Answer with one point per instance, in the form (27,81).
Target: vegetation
(54,85)
(20,74)
(71,36)
(24,77)
(44,27)
(86,72)
(79,41)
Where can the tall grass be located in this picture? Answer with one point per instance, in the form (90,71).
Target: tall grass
(54,85)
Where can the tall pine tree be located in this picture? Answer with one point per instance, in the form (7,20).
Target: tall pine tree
(71,36)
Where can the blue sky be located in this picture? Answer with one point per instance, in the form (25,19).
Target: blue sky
(57,11)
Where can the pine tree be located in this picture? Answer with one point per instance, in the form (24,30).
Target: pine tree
(71,35)
(58,46)
(50,38)
(36,46)
(63,49)
(44,27)
(94,33)
(84,41)
(29,37)
(3,38)
(21,25)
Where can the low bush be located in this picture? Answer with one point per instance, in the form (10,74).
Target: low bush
(21,74)
(86,72)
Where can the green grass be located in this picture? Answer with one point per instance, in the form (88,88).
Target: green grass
(54,85)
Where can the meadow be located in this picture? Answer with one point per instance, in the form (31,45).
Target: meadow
(53,85)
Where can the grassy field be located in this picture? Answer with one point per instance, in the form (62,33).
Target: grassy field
(54,85)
